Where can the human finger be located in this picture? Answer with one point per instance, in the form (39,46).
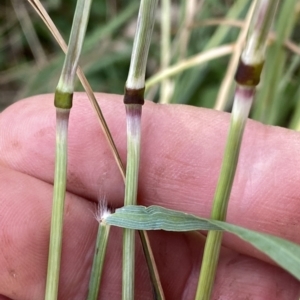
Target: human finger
(25,207)
(182,149)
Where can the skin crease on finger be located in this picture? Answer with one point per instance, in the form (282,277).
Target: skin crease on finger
(181,155)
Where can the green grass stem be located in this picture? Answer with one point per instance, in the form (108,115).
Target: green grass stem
(247,78)
(133,112)
(98,262)
(240,113)
(60,180)
(139,56)
(63,103)
(133,100)
(80,20)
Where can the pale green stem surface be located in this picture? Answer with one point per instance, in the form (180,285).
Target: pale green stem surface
(80,20)
(247,77)
(133,112)
(254,51)
(139,56)
(100,250)
(60,180)
(63,103)
(210,259)
(134,98)
(110,28)
(128,277)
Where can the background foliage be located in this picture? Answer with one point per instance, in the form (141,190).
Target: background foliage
(30,59)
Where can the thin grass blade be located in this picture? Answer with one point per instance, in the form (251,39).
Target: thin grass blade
(194,61)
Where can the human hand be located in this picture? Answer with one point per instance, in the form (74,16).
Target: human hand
(182,149)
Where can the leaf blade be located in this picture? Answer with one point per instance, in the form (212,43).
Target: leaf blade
(285,253)
(156,218)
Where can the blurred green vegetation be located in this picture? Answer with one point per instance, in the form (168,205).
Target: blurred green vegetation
(30,59)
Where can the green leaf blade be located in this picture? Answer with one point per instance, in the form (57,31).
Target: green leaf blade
(285,253)
(157,218)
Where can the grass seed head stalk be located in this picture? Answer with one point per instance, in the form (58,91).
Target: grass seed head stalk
(133,100)
(63,103)
(247,77)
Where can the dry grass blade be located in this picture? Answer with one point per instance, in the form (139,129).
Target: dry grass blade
(190,12)
(289,44)
(189,63)
(216,22)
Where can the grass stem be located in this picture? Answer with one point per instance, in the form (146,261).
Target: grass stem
(142,39)
(60,180)
(98,262)
(247,78)
(241,108)
(63,103)
(36,4)
(133,100)
(133,112)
